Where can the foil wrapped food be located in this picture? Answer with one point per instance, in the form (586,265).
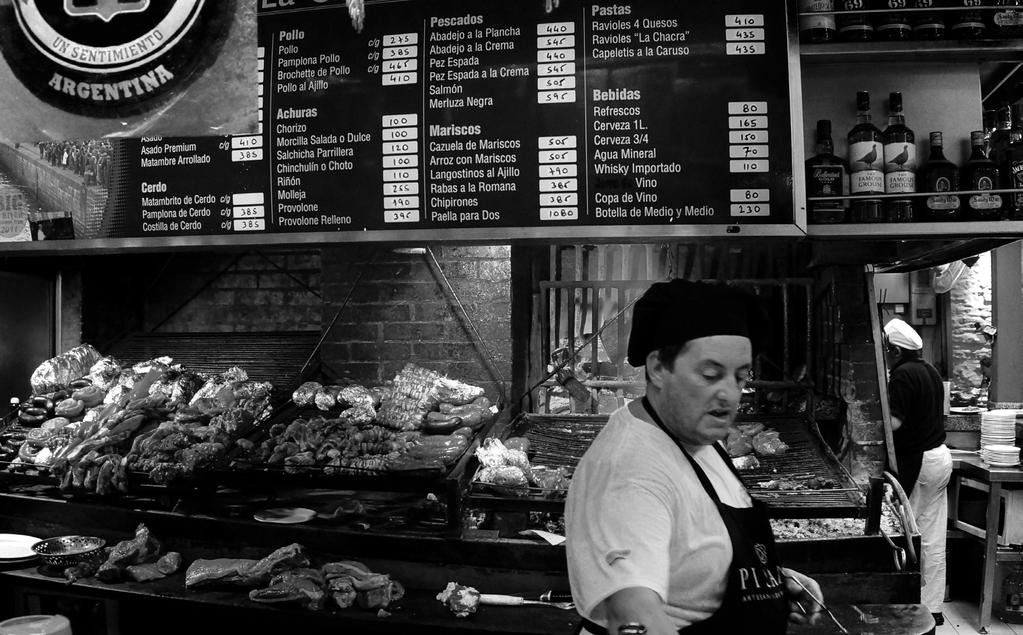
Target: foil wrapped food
(57,372)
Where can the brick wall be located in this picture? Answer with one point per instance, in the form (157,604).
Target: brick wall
(861,434)
(237,292)
(401,311)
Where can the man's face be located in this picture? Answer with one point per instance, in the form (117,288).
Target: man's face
(701,390)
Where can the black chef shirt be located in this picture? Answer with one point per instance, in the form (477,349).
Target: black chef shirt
(917,398)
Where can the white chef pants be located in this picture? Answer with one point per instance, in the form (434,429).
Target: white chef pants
(929,501)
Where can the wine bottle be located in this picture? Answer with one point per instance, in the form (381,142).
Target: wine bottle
(927,25)
(826,175)
(937,175)
(968,25)
(866,165)
(894,24)
(852,26)
(980,173)
(899,162)
(820,26)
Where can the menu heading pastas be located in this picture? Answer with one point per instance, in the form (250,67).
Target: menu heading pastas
(484,114)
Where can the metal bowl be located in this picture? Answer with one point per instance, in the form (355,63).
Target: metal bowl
(67,551)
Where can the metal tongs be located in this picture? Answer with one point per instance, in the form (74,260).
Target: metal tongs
(819,603)
(495,599)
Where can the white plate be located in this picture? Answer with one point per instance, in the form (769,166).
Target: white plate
(999,464)
(6,562)
(284,515)
(966,410)
(16,546)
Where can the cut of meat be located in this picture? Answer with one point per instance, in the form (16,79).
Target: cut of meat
(768,443)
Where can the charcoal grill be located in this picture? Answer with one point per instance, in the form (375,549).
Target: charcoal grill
(807,457)
(561,440)
(277,357)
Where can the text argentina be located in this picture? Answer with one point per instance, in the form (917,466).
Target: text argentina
(112,91)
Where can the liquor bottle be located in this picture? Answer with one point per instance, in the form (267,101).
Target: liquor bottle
(899,162)
(893,25)
(853,27)
(819,27)
(939,174)
(989,129)
(1008,21)
(826,175)
(967,25)
(999,141)
(980,173)
(866,165)
(927,25)
(1012,167)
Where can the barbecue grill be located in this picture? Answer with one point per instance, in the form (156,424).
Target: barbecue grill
(561,440)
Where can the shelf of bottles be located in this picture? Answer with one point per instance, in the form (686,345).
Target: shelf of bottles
(929,30)
(881,188)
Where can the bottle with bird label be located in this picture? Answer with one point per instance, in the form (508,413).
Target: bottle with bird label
(979,174)
(866,165)
(899,162)
(939,175)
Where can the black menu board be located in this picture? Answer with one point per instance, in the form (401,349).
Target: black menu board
(479,115)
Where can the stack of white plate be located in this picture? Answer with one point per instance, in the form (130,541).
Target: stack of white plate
(997,455)
(16,549)
(998,427)
(998,438)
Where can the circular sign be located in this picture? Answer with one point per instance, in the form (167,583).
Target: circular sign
(110,58)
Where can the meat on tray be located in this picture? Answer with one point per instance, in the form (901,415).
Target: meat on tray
(95,428)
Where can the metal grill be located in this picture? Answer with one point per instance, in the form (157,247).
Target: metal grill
(561,440)
(266,356)
(807,457)
(558,440)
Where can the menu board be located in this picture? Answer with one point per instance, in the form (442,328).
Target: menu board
(467,115)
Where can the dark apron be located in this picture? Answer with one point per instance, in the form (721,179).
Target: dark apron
(754,599)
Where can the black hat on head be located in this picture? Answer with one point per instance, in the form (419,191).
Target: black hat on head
(678,311)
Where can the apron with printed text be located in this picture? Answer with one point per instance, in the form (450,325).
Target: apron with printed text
(754,599)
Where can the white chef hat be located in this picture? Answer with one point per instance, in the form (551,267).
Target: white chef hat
(902,335)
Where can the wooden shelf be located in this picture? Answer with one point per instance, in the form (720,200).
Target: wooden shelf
(913,50)
(909,231)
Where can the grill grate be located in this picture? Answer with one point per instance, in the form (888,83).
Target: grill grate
(561,440)
(558,440)
(276,357)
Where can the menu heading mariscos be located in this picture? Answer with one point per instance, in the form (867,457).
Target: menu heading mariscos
(471,115)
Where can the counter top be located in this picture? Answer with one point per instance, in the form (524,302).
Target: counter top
(419,611)
(969,463)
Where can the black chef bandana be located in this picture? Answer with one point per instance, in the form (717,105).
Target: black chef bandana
(678,311)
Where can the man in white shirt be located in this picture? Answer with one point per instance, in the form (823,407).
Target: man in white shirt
(661,531)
